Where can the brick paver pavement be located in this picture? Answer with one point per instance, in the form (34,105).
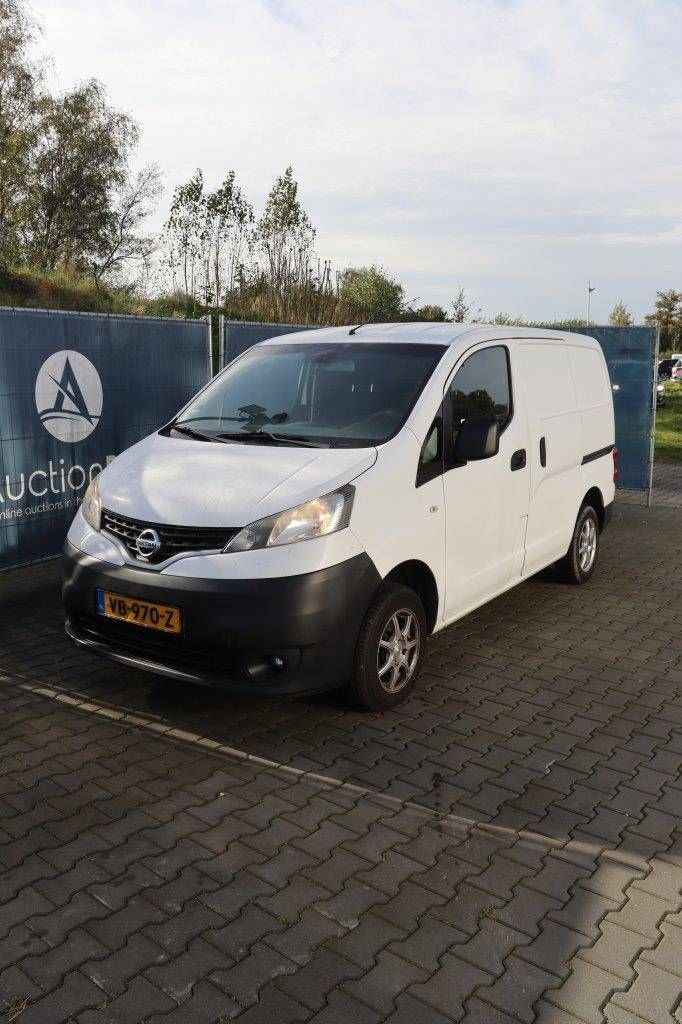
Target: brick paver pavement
(504,847)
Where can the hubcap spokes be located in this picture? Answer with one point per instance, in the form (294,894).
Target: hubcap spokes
(398,651)
(587,545)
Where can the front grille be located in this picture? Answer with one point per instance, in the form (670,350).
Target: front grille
(162,648)
(174,539)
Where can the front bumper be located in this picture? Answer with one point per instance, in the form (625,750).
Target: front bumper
(311,622)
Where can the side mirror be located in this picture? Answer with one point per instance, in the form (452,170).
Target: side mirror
(477,439)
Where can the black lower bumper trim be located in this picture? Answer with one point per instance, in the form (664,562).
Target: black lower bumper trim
(287,635)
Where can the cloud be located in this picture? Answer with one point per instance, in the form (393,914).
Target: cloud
(515,146)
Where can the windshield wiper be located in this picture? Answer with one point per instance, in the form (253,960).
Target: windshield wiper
(199,434)
(295,439)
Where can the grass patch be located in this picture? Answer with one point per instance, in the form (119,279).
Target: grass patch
(669,425)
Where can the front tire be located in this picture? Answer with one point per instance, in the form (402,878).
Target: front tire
(579,562)
(390,648)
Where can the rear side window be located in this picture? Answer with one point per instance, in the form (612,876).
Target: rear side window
(481,388)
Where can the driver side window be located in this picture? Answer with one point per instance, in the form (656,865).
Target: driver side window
(481,388)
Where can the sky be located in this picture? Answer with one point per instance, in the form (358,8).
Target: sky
(516,148)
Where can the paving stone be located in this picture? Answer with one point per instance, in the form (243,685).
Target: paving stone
(48,969)
(501,877)
(363,942)
(21,942)
(526,910)
(301,941)
(243,981)
(112,973)
(225,867)
(615,950)
(323,973)
(275,1005)
(554,948)
(663,880)
(448,989)
(426,945)
(381,986)
(206,1005)
(584,912)
(140,1000)
(409,1011)
(585,991)
(237,937)
(290,901)
(347,908)
(518,989)
(115,930)
(490,946)
(341,1007)
(667,954)
(641,913)
(174,934)
(229,900)
(55,926)
(115,892)
(178,977)
(74,996)
(654,993)
(28,904)
(557,878)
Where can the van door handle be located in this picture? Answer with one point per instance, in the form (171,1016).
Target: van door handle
(518,459)
(543,452)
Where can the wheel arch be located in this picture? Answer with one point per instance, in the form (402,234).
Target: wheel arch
(595,498)
(417,575)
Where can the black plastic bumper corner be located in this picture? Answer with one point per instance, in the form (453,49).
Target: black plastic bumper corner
(310,622)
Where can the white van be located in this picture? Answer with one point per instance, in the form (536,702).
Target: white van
(334,496)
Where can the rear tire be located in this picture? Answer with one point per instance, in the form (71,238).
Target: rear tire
(390,648)
(579,562)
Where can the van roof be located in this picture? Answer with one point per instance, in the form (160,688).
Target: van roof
(429,333)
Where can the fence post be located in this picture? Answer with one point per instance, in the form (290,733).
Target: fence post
(221,341)
(209,332)
(652,419)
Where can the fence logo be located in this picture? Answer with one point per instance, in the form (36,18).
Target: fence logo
(69,396)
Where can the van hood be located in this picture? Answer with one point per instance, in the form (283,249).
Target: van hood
(181,482)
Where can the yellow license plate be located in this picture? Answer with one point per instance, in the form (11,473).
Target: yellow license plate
(142,613)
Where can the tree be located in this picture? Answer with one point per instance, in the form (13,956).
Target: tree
(20,89)
(429,313)
(186,233)
(463,309)
(620,316)
(79,171)
(667,315)
(123,242)
(284,240)
(229,217)
(369,295)
(506,320)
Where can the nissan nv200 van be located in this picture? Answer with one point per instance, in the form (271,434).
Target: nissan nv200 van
(333,497)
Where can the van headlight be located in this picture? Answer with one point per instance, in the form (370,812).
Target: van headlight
(91,506)
(314,518)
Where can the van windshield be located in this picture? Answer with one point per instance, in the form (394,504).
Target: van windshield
(337,394)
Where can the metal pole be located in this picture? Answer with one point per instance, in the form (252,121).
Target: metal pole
(209,331)
(221,341)
(590,289)
(652,419)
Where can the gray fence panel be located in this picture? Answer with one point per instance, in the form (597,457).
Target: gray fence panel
(630,354)
(239,335)
(75,390)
